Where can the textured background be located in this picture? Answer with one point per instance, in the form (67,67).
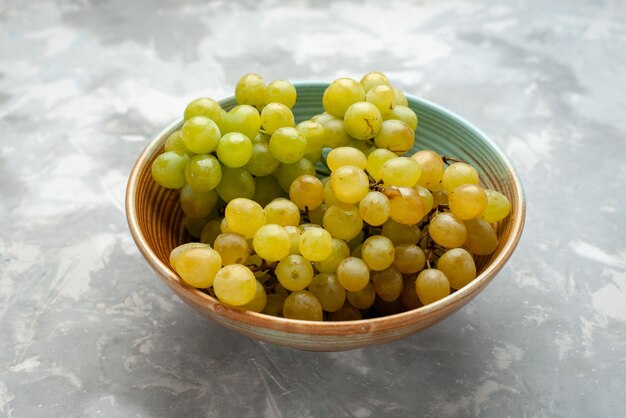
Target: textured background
(87,330)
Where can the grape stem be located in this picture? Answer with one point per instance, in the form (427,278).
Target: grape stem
(450,160)
(305,215)
(262,267)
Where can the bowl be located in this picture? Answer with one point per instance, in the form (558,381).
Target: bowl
(155,221)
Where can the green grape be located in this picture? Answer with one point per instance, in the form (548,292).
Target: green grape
(262,162)
(349,183)
(271,242)
(375,162)
(339,252)
(343,221)
(366,147)
(302,305)
(294,272)
(373,79)
(498,206)
(335,134)
(294,239)
(383,97)
(280,290)
(363,120)
(266,189)
(258,302)
(198,266)
(200,135)
(233,248)
(426,196)
(447,230)
(364,298)
(388,283)
(481,237)
(406,206)
(401,172)
(458,174)
(400,98)
(431,285)
(405,114)
(282,212)
(342,156)
(244,119)
(328,291)
(275,116)
(467,201)
(236,183)
(206,107)
(194,225)
(378,252)
(440,198)
(401,234)
(168,169)
(244,216)
(176,252)
(316,244)
(234,150)
(274,304)
(340,95)
(197,204)
(314,134)
(307,192)
(458,266)
(356,241)
(409,295)
(346,313)
(353,274)
(317,215)
(250,90)
(203,173)
(287,145)
(175,142)
(235,285)
(210,231)
(287,173)
(281,91)
(395,136)
(374,208)
(329,197)
(409,258)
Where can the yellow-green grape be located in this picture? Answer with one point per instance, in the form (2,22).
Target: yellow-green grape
(409,295)
(328,291)
(349,183)
(406,206)
(236,183)
(274,304)
(405,114)
(388,283)
(340,95)
(316,244)
(375,162)
(244,216)
(364,298)
(378,252)
(203,173)
(287,145)
(206,107)
(447,230)
(467,201)
(356,241)
(321,118)
(281,91)
(440,198)
(395,136)
(383,97)
(458,266)
(266,189)
(197,204)
(431,285)
(401,234)
(373,79)
(307,192)
(335,134)
(168,169)
(194,225)
(275,116)
(235,285)
(210,231)
(481,237)
(346,313)
(294,272)
(244,119)
(343,221)
(498,206)
(258,302)
(329,197)
(432,168)
(353,274)
(306,226)
(233,248)
(224,228)
(175,142)
(287,173)
(271,242)
(339,252)
(363,120)
(200,135)
(458,174)
(426,196)
(356,252)
(400,98)
(314,134)
(176,252)
(317,215)
(409,258)
(345,156)
(302,305)
(234,150)
(374,208)
(294,239)
(366,147)
(198,266)
(250,90)
(282,212)
(280,290)
(401,172)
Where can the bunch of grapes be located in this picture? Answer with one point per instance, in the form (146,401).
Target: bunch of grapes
(384,232)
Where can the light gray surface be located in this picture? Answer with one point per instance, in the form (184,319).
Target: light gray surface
(86,329)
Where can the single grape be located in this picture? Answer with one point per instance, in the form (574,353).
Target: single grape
(447,230)
(406,206)
(271,242)
(403,113)
(307,192)
(335,134)
(314,134)
(197,204)
(210,231)
(328,291)
(343,221)
(294,239)
(236,183)
(374,208)
(426,196)
(363,120)
(339,252)
(177,251)
(432,168)
(383,97)
(287,173)
(266,189)
(200,135)
(244,119)
(329,197)
(400,98)
(458,266)
(203,173)
(258,302)
(401,234)
(401,172)
(281,91)
(235,285)
(467,201)
(340,95)
(373,79)
(316,244)
(353,274)
(458,174)
(274,304)
(198,266)
(233,248)
(282,212)
(349,183)
(378,252)
(294,272)
(287,145)
(395,136)
(346,313)
(224,228)
(244,216)
(234,149)
(206,107)
(375,162)
(440,198)
(175,142)
(302,305)
(409,258)
(250,90)
(275,116)
(431,285)
(498,206)
(345,156)
(364,298)
(388,283)
(409,296)
(168,169)
(481,237)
